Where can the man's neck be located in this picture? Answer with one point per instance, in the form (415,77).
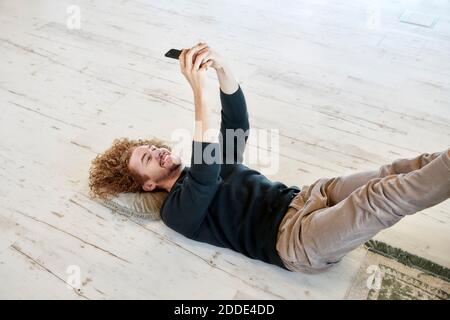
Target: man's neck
(168,184)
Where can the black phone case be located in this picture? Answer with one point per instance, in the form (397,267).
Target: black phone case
(173,53)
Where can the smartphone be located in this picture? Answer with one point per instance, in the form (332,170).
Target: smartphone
(173,53)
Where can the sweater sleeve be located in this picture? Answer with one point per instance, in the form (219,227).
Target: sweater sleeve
(234,127)
(186,207)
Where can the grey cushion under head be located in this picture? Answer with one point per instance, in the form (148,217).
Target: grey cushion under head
(144,205)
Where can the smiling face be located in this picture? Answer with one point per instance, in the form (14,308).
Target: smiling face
(153,165)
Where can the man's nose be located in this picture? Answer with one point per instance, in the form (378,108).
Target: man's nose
(156,152)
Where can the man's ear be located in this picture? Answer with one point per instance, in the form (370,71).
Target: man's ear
(149,186)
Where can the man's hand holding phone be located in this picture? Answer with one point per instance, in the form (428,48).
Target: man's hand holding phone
(193,66)
(201,57)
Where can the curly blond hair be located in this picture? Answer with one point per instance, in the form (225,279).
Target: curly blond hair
(109,174)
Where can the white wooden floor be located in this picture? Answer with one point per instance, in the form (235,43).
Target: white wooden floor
(348,85)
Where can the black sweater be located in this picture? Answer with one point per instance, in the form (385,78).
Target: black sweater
(225,203)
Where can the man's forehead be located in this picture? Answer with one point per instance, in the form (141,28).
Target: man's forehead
(135,154)
(137,149)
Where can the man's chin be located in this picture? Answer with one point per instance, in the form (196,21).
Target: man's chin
(172,166)
(173,162)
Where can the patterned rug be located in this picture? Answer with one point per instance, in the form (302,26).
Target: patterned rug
(389,273)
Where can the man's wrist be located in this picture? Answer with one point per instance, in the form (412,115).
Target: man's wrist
(199,94)
(228,84)
(223,70)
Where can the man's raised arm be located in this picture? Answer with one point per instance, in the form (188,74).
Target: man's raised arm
(235,126)
(189,203)
(194,71)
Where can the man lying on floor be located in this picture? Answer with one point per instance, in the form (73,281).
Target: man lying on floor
(220,201)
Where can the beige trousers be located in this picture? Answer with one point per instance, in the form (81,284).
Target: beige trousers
(333,216)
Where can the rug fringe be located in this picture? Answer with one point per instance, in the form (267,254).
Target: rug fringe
(408,259)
